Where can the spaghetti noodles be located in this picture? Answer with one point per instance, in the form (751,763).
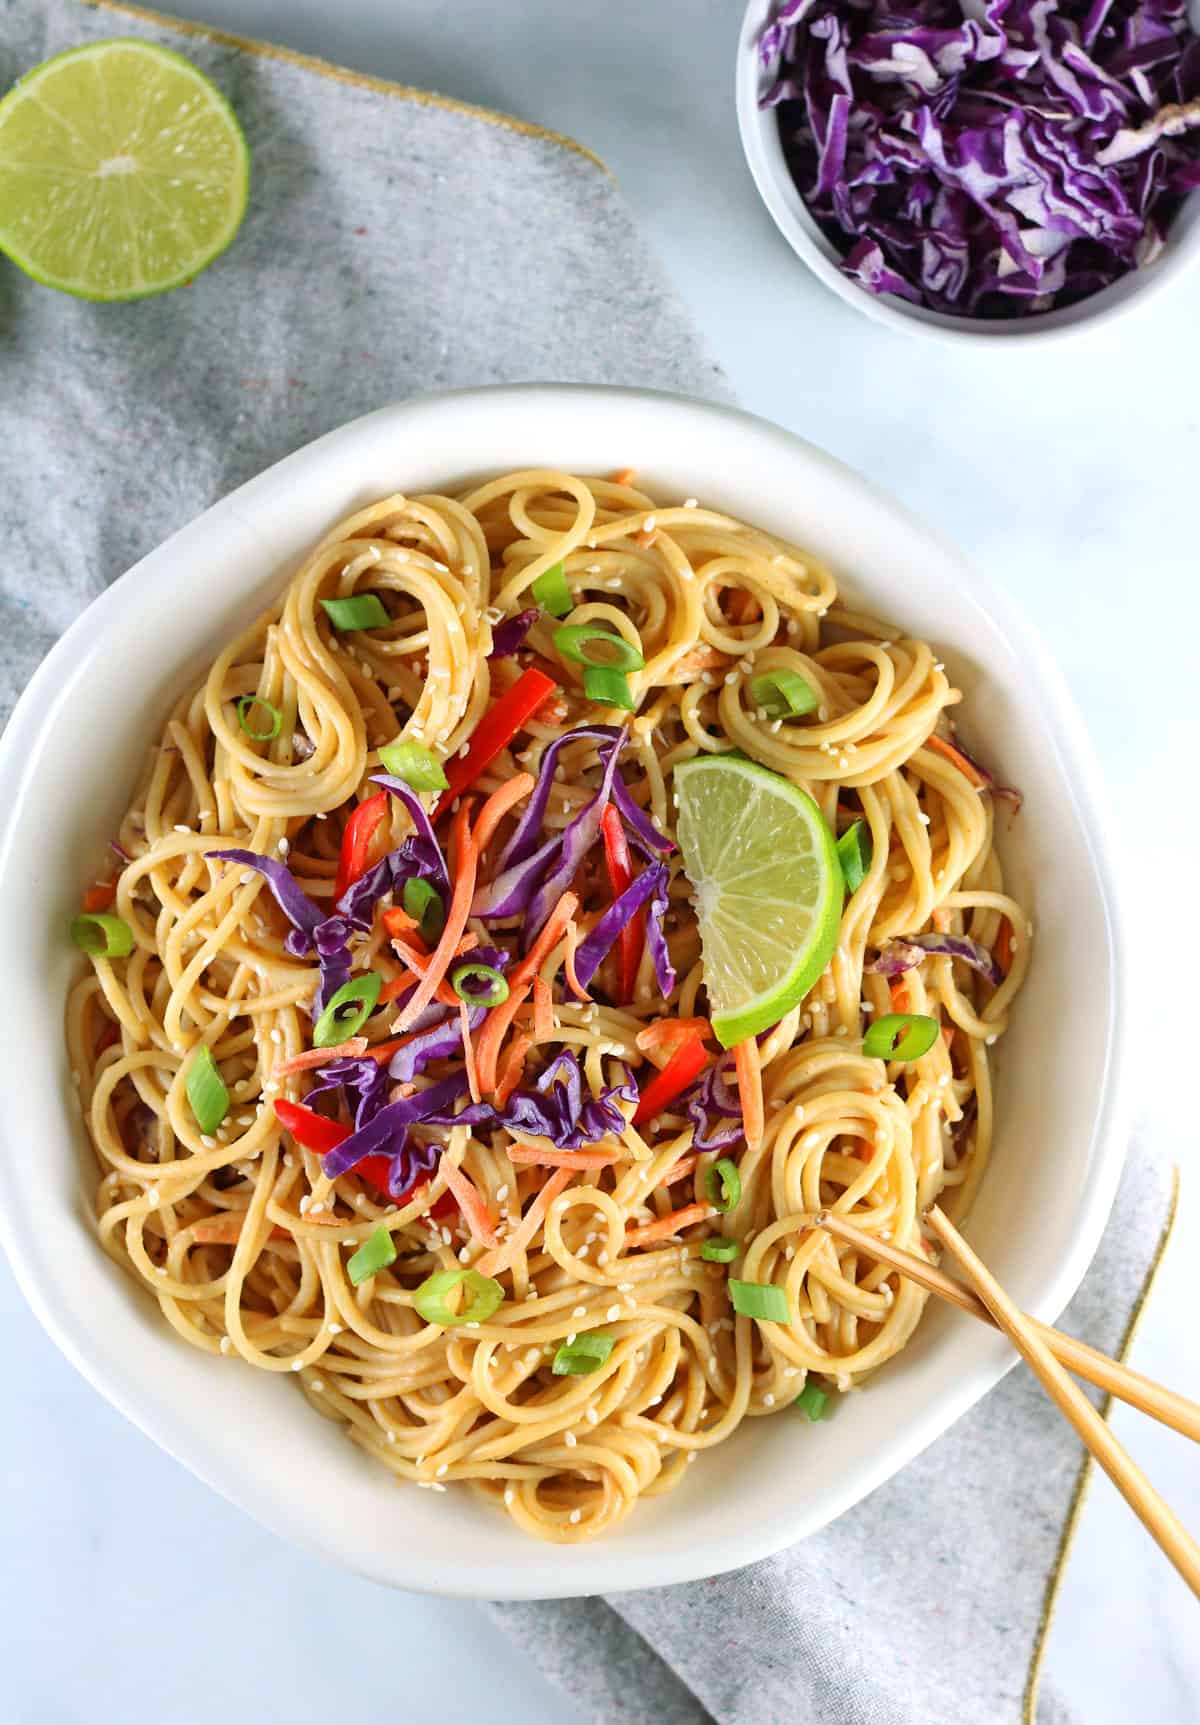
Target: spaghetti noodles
(312,1210)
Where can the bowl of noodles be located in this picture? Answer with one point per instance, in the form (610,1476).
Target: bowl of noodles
(542,846)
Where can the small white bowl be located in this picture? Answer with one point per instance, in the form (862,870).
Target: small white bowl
(764,155)
(1060,1138)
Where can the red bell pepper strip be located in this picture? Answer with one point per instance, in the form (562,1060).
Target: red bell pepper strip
(620,875)
(684,1066)
(497,728)
(356,841)
(316,1133)
(311,1129)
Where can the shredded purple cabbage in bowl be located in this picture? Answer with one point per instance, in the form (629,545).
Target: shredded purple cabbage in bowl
(990,159)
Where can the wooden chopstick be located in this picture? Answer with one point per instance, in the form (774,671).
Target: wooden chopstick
(1108,1375)
(1162,1522)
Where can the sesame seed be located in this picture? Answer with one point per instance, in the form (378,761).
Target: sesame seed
(277,1037)
(208,1141)
(335,1329)
(648,525)
(612,1314)
(689,503)
(283,847)
(443,1470)
(571,1338)
(226,1345)
(570,1439)
(592,1417)
(575,1517)
(988,1040)
(317,1384)
(247,876)
(501,1193)
(768,1400)
(579,1312)
(509,1494)
(297,1365)
(181,829)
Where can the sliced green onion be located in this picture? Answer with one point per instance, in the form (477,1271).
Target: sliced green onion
(760,1300)
(587,1353)
(610,688)
(416,765)
(723,1184)
(206,1092)
(901,1036)
(430,1298)
(424,904)
(551,591)
(348,1010)
(719,1250)
(372,1256)
(102,936)
(274,718)
(782,694)
(361,611)
(854,850)
(493,989)
(589,644)
(812,1401)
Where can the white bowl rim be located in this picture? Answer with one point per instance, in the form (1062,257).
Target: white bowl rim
(757,128)
(544,1571)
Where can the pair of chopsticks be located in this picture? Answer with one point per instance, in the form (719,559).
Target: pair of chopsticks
(1047,1352)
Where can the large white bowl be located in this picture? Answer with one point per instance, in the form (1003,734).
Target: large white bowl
(759,130)
(69,761)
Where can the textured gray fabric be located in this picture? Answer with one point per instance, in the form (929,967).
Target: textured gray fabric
(921,1605)
(393,248)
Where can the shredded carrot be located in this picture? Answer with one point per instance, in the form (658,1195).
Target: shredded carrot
(645,537)
(967,768)
(498,805)
(401,984)
(749,1078)
(528,1156)
(496,1025)
(467,858)
(474,1210)
(99,895)
(512,1069)
(940,920)
(898,990)
(667,1225)
(351,1050)
(949,1032)
(398,922)
(493,1262)
(664,1035)
(382,1051)
(543,1011)
(464,1014)
(741,605)
(624,476)
(569,971)
(1004,946)
(677,1170)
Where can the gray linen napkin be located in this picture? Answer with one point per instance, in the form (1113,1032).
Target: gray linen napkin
(398,244)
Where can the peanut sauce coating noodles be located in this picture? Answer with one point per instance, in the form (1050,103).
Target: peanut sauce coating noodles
(400,1054)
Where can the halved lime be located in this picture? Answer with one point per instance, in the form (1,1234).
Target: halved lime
(123,171)
(768,889)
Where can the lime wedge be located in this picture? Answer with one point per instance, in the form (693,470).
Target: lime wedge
(123,171)
(768,889)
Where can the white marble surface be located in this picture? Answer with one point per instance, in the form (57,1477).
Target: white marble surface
(1071,476)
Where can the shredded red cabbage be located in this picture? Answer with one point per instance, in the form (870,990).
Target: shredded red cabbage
(508,637)
(287,892)
(993,159)
(714,1108)
(560,1106)
(591,952)
(577,840)
(912,949)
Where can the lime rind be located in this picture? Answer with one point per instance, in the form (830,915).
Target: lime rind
(139,170)
(768,889)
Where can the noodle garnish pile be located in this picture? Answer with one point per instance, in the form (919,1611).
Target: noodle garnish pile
(396,1050)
